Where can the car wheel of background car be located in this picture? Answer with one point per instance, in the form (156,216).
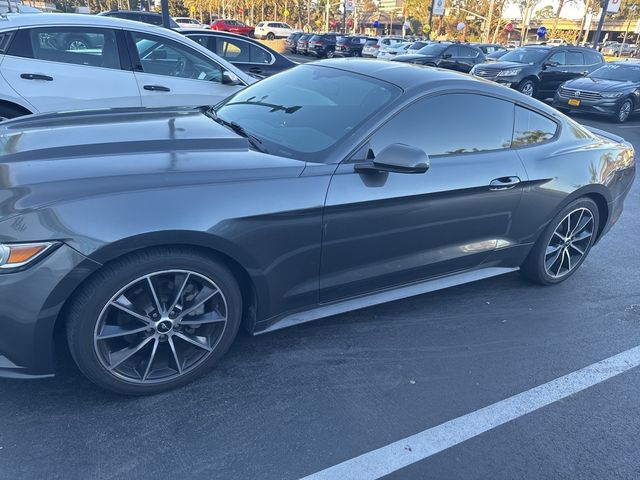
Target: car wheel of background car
(624,111)
(270,36)
(528,88)
(9,111)
(154,320)
(564,245)
(330,53)
(77,43)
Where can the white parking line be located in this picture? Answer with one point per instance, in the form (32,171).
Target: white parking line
(385,460)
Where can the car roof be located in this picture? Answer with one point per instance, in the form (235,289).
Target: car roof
(45,19)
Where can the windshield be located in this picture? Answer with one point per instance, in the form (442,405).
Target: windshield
(622,73)
(418,45)
(525,55)
(434,49)
(304,112)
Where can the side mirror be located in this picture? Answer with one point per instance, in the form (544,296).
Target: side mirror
(398,158)
(230,78)
(550,64)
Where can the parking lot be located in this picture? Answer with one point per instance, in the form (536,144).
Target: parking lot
(301,400)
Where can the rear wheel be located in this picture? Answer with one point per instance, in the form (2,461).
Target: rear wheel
(330,53)
(564,245)
(154,320)
(624,111)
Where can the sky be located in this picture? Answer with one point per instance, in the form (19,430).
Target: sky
(570,10)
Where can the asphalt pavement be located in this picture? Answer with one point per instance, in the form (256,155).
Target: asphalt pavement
(301,400)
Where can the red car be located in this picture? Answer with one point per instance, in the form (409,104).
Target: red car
(233,26)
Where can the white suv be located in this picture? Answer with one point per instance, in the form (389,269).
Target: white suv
(273,30)
(53,61)
(372,49)
(186,22)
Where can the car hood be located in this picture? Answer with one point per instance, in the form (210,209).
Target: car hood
(503,65)
(599,85)
(53,158)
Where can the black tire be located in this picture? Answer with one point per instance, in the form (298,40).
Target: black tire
(271,36)
(528,88)
(329,53)
(10,111)
(77,43)
(533,268)
(624,111)
(88,304)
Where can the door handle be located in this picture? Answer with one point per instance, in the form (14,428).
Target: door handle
(36,76)
(503,183)
(255,70)
(157,88)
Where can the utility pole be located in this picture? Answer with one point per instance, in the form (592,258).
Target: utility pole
(164,4)
(326,16)
(488,33)
(9,5)
(433,4)
(344,16)
(596,37)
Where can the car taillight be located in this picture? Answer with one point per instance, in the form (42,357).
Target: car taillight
(319,43)
(376,46)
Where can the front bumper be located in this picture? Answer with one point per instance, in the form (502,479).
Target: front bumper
(606,106)
(31,301)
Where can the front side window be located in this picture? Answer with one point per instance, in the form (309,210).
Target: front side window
(235,50)
(161,56)
(442,126)
(305,112)
(93,47)
(559,58)
(531,127)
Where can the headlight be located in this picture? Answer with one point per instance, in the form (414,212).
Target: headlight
(20,254)
(509,73)
(611,94)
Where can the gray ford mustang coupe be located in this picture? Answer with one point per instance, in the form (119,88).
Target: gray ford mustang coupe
(148,237)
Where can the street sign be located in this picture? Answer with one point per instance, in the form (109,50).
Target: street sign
(613,6)
(470,17)
(541,32)
(508,27)
(460,26)
(438,7)
(637,29)
(349,5)
(286,13)
(376,24)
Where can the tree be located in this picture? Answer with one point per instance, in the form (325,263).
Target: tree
(545,13)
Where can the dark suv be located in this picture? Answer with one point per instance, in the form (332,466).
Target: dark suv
(538,70)
(323,46)
(291,43)
(351,46)
(454,56)
(151,18)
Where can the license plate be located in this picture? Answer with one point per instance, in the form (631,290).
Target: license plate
(574,102)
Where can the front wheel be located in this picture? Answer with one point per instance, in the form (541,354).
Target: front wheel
(527,88)
(154,320)
(564,244)
(270,36)
(624,111)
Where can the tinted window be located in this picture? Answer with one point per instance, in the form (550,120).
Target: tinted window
(436,125)
(76,45)
(531,127)
(466,52)
(235,50)
(161,56)
(4,41)
(202,40)
(303,112)
(433,49)
(591,57)
(371,42)
(525,55)
(453,50)
(575,58)
(559,57)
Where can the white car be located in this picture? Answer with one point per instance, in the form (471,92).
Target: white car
(371,48)
(53,62)
(273,30)
(186,22)
(387,53)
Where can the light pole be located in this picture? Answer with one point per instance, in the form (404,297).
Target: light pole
(596,37)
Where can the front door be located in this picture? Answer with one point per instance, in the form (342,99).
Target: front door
(385,229)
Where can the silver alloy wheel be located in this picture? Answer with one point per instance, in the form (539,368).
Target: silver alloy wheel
(569,243)
(625,110)
(527,89)
(160,326)
(330,53)
(77,45)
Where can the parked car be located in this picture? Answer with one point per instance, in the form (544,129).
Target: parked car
(613,90)
(495,56)
(454,56)
(391,52)
(152,18)
(555,42)
(417,45)
(247,54)
(290,201)
(488,48)
(273,30)
(323,45)
(351,46)
(602,45)
(538,70)
(233,26)
(128,64)
(372,49)
(303,43)
(186,22)
(291,43)
(620,50)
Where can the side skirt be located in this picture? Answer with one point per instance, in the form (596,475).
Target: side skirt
(384,296)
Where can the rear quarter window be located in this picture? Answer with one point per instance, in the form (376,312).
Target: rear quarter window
(531,128)
(5,38)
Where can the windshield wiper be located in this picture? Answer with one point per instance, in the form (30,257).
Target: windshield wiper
(255,142)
